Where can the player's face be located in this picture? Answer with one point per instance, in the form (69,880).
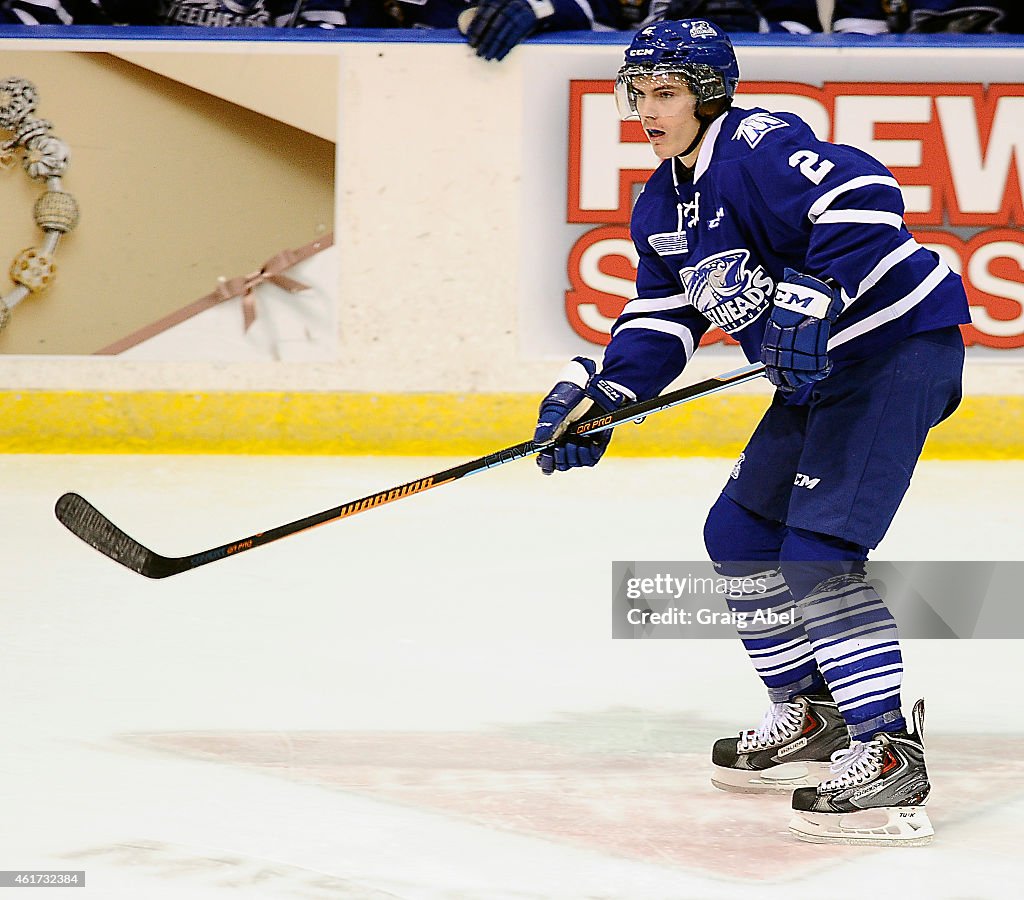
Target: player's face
(666,109)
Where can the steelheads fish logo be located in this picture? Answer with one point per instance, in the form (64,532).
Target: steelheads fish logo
(725,291)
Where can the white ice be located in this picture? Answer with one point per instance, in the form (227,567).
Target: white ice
(455,620)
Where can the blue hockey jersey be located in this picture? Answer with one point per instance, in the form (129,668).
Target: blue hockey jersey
(766,194)
(210,13)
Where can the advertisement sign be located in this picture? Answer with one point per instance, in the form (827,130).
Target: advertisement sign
(956,147)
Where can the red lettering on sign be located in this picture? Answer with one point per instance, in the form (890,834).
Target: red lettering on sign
(956,149)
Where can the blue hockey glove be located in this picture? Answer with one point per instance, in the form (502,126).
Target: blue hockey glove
(795,345)
(580,391)
(501,24)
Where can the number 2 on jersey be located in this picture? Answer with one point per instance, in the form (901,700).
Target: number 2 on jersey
(811,165)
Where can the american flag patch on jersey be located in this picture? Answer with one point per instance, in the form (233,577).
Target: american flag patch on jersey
(669,243)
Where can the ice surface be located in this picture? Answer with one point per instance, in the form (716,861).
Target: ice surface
(423,701)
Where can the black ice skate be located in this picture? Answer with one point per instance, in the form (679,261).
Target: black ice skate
(791,748)
(876,795)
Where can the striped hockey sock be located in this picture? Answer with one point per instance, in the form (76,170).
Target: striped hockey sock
(780,651)
(857,650)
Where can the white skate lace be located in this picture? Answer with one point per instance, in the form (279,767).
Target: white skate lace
(854,766)
(780,723)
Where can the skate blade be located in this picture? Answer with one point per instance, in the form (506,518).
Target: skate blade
(888,826)
(776,780)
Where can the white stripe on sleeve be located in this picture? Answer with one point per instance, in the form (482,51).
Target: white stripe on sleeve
(332,18)
(893,311)
(825,200)
(54,5)
(587,11)
(659,304)
(860,217)
(679,331)
(888,262)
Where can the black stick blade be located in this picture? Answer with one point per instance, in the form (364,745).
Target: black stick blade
(82,519)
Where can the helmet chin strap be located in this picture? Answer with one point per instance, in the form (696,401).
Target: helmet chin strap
(705,124)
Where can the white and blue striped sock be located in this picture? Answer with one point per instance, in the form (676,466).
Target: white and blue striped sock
(781,652)
(857,649)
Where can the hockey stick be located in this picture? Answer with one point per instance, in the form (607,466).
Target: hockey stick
(293,21)
(84,520)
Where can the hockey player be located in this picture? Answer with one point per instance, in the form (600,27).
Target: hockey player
(53,12)
(780,16)
(924,16)
(494,27)
(205,13)
(796,248)
(729,15)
